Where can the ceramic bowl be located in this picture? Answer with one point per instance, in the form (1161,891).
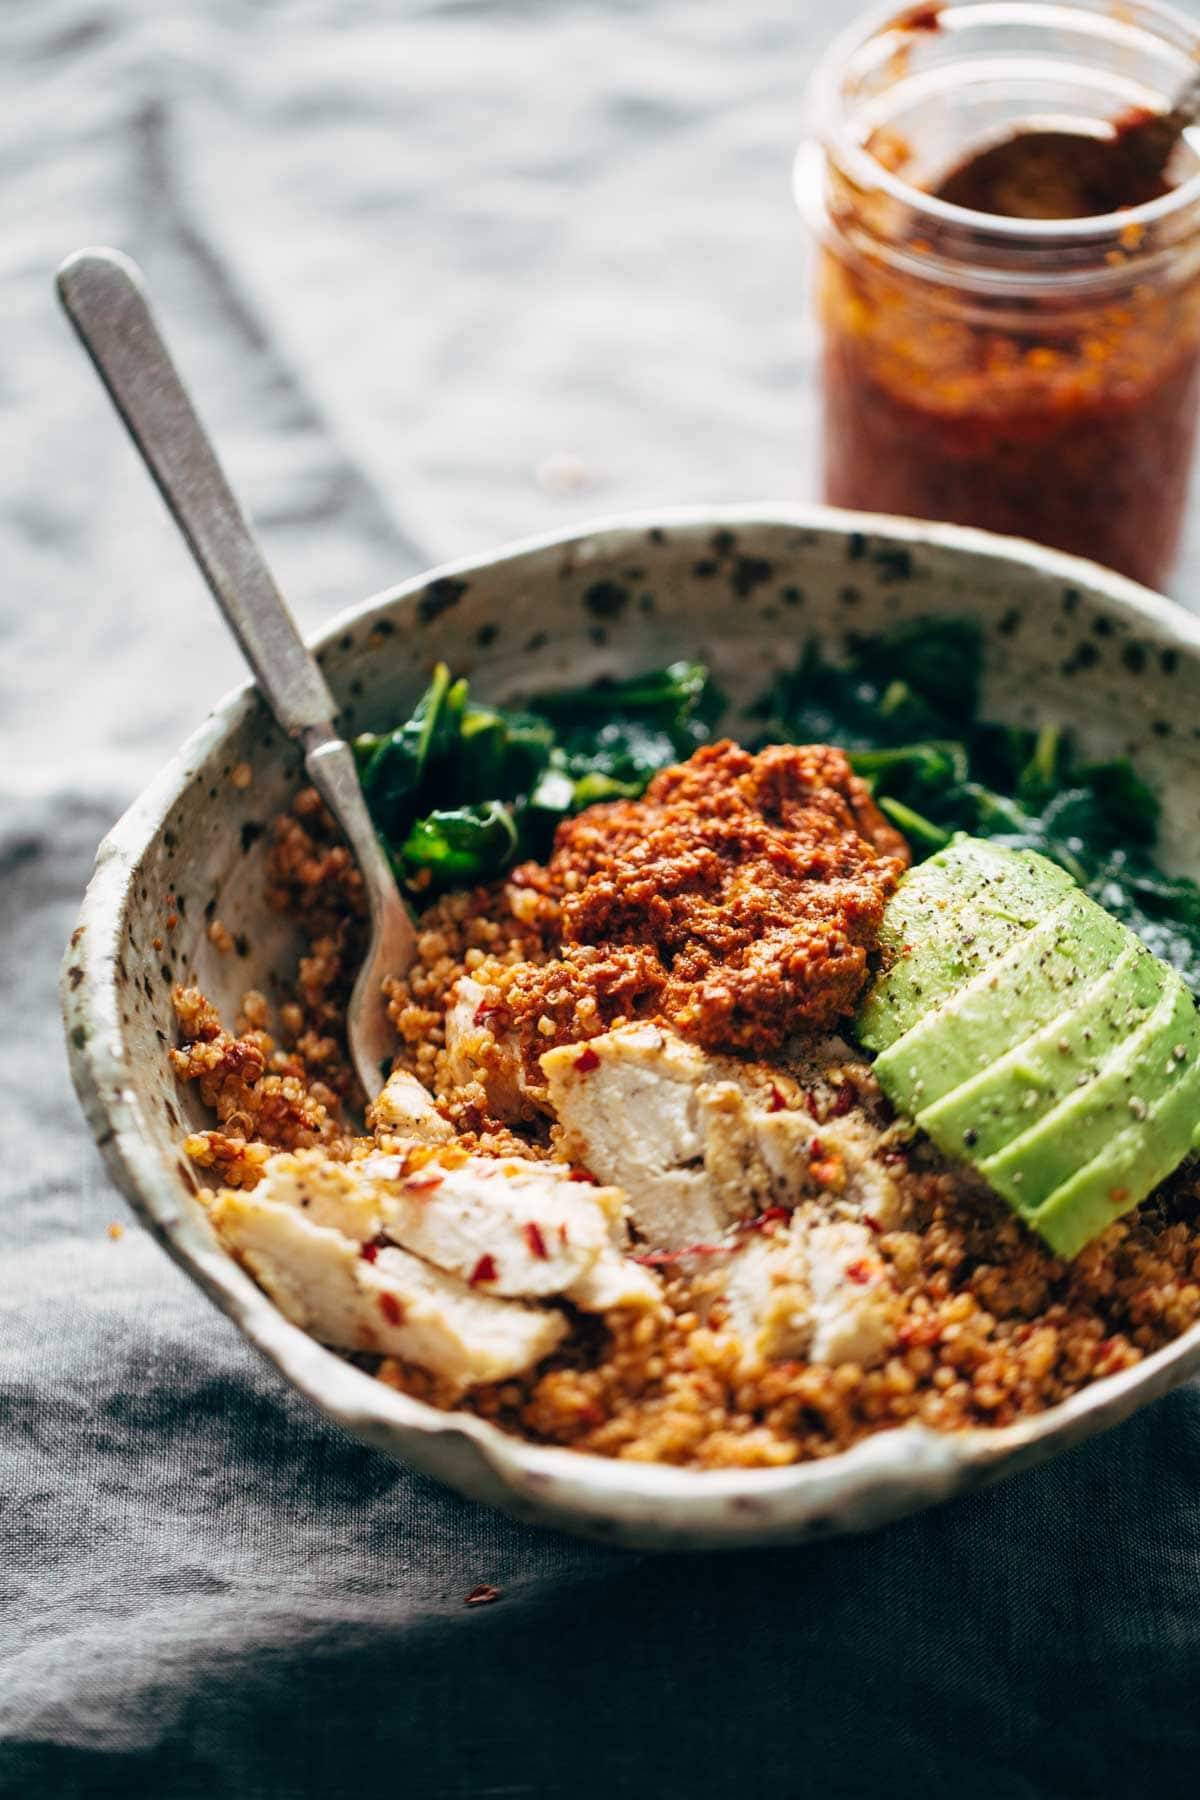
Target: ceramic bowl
(742,589)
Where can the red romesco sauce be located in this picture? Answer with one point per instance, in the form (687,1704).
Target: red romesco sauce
(1075,428)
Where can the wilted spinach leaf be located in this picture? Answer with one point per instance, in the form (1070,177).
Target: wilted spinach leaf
(459,790)
(1024,789)
(470,843)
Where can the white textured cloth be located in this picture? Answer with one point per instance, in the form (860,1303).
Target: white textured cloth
(439,274)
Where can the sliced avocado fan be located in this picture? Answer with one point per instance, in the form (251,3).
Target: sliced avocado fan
(1030,1034)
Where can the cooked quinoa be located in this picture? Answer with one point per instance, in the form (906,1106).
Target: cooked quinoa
(984,1325)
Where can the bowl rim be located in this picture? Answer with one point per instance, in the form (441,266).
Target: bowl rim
(575,1483)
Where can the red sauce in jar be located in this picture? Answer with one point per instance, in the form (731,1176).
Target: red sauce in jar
(1071,422)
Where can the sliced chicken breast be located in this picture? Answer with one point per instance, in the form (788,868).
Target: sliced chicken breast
(854,1306)
(818,1291)
(614,1283)
(767,1296)
(394,1305)
(506,1226)
(701,1142)
(405,1107)
(475,1054)
(629,1108)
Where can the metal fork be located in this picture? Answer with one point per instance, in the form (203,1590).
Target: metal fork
(104,297)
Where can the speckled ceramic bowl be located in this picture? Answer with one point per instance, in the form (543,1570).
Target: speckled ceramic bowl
(741,588)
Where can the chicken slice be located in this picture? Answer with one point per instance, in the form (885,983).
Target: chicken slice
(475,1054)
(629,1108)
(817,1291)
(405,1107)
(854,1305)
(701,1142)
(395,1305)
(613,1283)
(855,1177)
(767,1297)
(508,1226)
(753,1158)
(331,1194)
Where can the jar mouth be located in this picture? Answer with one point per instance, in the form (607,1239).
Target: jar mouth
(835,133)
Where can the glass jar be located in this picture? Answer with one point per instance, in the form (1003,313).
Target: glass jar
(1038,377)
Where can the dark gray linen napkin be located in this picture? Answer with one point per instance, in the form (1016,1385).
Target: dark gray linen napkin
(488,268)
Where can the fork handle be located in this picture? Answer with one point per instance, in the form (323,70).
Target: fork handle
(103,296)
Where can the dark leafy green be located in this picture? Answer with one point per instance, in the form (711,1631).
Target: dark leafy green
(904,705)
(460,790)
(465,844)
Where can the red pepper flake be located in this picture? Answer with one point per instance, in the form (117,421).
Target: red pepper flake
(369,1252)
(872,1224)
(810,1104)
(918,1334)
(537,1244)
(485,1009)
(584,1175)
(587,1060)
(172,920)
(842,1100)
(562,1234)
(391,1309)
(816,1149)
(656,1259)
(483,1595)
(423,1180)
(1118,1196)
(861,1271)
(485,1270)
(761,1220)
(778,1100)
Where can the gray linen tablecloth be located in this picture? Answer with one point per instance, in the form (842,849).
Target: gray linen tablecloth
(442,274)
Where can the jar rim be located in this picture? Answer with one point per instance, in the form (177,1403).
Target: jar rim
(832,131)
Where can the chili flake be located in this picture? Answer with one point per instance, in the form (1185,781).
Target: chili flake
(537,1243)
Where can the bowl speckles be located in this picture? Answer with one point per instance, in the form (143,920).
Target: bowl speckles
(741,588)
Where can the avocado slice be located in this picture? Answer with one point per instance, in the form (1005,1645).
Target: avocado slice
(1091,1091)
(1033,1166)
(1129,1167)
(1044,974)
(983,1116)
(948,920)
